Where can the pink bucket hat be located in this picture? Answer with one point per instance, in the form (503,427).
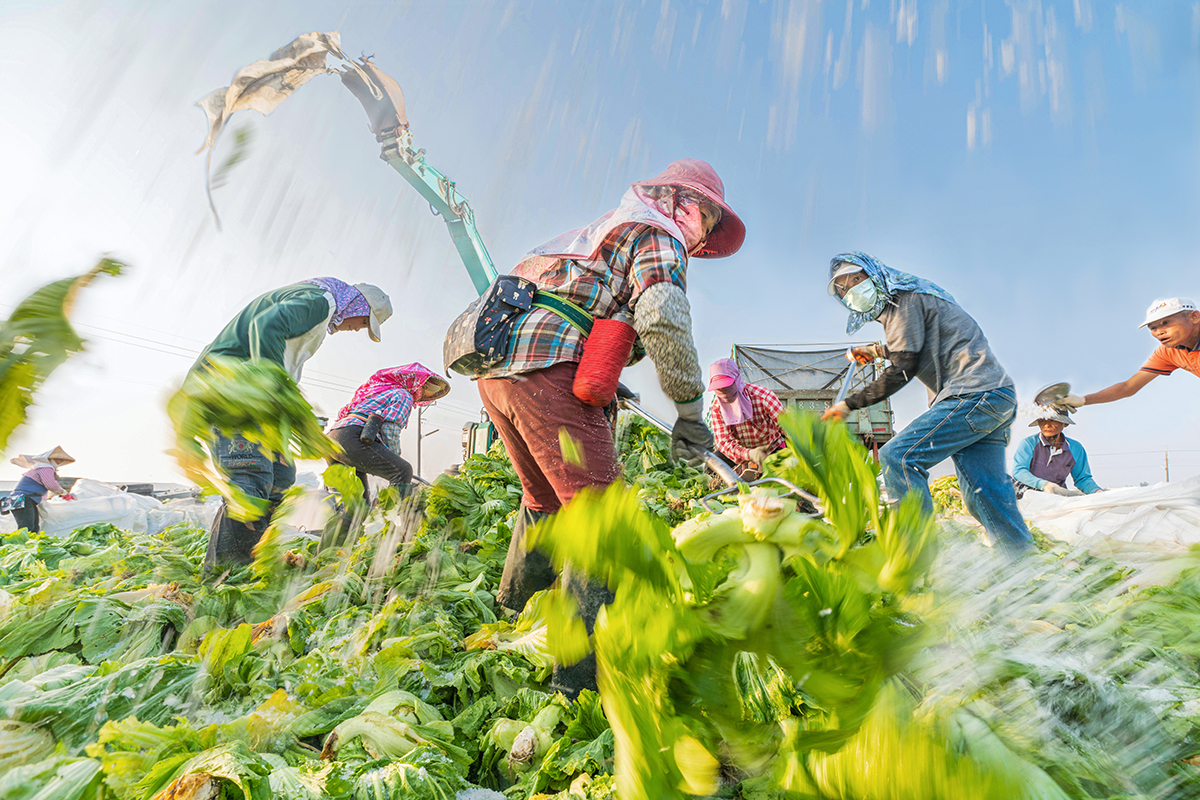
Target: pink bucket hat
(692,173)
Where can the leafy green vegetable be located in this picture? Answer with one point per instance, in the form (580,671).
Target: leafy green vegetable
(35,339)
(256,399)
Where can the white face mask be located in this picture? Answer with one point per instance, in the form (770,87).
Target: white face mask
(861,297)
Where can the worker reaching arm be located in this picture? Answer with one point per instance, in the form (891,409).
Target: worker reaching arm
(632,263)
(1175,323)
(930,337)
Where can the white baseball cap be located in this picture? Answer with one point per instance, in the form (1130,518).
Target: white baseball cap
(381,307)
(1160,309)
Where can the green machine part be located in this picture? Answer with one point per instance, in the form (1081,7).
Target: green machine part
(444,199)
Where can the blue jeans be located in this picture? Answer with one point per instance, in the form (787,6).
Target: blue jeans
(263,475)
(972,429)
(256,473)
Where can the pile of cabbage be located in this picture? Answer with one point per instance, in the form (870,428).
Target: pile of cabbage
(771,647)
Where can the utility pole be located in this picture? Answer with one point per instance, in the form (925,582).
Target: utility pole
(421,435)
(1167,465)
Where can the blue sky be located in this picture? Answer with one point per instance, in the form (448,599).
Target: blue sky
(1039,160)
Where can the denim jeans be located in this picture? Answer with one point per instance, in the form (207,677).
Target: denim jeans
(973,429)
(258,474)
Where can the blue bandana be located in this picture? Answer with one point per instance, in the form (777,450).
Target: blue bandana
(888,281)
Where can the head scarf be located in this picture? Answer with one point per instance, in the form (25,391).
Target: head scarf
(637,207)
(46,459)
(347,301)
(410,377)
(741,409)
(888,281)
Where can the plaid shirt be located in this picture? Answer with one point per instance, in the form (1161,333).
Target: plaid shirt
(633,259)
(394,405)
(761,430)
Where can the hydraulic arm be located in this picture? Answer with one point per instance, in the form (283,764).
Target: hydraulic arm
(380,95)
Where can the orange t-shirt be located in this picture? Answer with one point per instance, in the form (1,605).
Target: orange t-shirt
(1165,360)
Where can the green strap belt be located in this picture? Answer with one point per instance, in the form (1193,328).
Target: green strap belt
(579,319)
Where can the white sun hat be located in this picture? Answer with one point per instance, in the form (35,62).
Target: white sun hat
(1161,309)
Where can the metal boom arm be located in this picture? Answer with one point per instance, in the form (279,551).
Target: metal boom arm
(445,200)
(383,101)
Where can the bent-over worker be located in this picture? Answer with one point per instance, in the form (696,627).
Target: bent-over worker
(1045,460)
(285,326)
(40,479)
(367,428)
(1175,323)
(632,261)
(972,401)
(743,418)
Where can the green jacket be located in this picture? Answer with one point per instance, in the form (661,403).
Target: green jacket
(264,328)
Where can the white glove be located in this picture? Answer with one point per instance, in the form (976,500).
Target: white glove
(1072,400)
(759,454)
(1054,488)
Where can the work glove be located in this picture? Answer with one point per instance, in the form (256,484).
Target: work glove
(67,496)
(759,454)
(1072,401)
(370,431)
(1054,488)
(625,393)
(866,353)
(689,435)
(838,410)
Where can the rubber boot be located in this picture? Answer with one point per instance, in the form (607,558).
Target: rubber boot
(591,596)
(526,572)
(231,542)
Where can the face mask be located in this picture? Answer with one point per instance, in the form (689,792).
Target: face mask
(862,297)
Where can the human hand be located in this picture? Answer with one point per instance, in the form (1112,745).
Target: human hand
(866,354)
(67,496)
(625,393)
(370,431)
(838,410)
(759,454)
(1072,401)
(688,437)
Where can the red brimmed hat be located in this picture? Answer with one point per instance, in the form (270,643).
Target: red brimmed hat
(692,173)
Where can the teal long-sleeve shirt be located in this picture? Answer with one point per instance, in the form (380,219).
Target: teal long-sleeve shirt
(262,329)
(1081,473)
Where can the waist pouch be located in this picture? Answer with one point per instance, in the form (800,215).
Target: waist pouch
(7,504)
(479,338)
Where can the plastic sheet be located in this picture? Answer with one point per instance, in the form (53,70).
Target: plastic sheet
(1165,515)
(98,502)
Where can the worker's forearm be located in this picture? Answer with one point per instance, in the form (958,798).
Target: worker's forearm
(894,378)
(1118,391)
(663,320)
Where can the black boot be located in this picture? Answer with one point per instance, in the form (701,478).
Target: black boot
(526,572)
(590,596)
(231,542)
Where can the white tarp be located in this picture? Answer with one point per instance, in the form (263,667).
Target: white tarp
(99,502)
(1165,515)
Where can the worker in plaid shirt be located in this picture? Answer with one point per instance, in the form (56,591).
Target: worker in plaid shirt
(743,418)
(631,264)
